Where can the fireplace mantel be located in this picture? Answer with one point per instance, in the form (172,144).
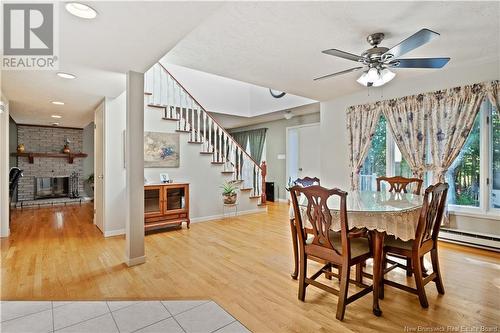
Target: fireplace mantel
(31,156)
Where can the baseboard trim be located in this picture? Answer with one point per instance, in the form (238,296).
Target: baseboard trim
(135,261)
(116,232)
(469,240)
(220,216)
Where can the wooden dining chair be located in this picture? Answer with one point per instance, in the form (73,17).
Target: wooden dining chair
(426,240)
(342,249)
(304,182)
(307,181)
(400,184)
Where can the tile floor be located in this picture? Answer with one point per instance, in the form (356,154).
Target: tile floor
(116,316)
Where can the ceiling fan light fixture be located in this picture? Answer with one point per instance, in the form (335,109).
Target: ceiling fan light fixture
(386,75)
(375,77)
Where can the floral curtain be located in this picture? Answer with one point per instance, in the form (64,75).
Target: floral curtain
(493,92)
(361,124)
(407,123)
(451,114)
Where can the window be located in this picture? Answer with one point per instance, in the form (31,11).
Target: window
(474,177)
(384,158)
(495,158)
(464,174)
(375,163)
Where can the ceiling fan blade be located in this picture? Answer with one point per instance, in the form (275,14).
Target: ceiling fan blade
(416,40)
(419,63)
(342,54)
(339,73)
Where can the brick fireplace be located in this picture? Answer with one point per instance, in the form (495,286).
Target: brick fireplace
(40,139)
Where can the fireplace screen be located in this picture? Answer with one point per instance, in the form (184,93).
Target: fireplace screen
(51,187)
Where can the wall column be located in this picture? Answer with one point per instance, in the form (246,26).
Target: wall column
(4,168)
(134,152)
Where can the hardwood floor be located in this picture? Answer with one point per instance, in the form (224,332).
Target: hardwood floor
(242,263)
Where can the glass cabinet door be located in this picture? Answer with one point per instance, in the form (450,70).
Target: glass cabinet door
(175,198)
(152,200)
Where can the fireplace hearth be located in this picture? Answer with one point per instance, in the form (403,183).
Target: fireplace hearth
(51,187)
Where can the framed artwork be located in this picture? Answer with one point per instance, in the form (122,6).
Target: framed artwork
(161,150)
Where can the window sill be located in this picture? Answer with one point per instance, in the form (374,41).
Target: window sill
(471,212)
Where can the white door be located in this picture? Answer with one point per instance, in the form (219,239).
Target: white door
(303,151)
(99,168)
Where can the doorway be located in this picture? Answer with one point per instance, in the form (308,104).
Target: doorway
(303,151)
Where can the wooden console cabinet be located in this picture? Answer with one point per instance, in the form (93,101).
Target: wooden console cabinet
(166,205)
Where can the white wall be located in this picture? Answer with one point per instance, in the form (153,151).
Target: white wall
(4,167)
(223,95)
(204,178)
(114,171)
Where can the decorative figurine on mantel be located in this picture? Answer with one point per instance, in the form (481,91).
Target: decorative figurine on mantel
(66,149)
(20,148)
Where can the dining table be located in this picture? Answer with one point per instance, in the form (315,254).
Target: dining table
(381,213)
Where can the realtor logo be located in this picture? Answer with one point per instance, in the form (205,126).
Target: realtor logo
(28,36)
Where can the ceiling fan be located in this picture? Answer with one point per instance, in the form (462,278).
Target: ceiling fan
(377,61)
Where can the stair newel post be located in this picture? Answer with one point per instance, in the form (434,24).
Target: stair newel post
(263,173)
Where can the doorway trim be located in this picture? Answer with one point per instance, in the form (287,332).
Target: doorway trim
(287,129)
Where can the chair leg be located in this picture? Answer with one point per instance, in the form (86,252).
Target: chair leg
(424,270)
(435,269)
(344,286)
(295,250)
(302,277)
(359,272)
(384,266)
(409,267)
(419,281)
(328,276)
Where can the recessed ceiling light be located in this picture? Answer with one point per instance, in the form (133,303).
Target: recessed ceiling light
(57,103)
(81,10)
(56,116)
(66,75)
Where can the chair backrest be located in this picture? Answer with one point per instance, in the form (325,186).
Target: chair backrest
(319,215)
(399,184)
(431,214)
(307,181)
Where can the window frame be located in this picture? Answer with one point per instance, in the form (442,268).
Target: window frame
(485,209)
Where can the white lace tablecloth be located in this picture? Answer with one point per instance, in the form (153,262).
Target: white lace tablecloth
(394,213)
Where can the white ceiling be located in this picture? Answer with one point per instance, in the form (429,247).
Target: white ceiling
(279,44)
(124,36)
(233,121)
(222,95)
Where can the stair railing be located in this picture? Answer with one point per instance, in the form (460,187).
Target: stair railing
(165,91)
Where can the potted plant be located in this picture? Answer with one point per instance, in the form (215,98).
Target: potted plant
(229,193)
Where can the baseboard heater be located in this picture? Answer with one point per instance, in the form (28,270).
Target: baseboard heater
(486,242)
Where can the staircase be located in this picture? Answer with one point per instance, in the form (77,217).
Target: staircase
(164,92)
